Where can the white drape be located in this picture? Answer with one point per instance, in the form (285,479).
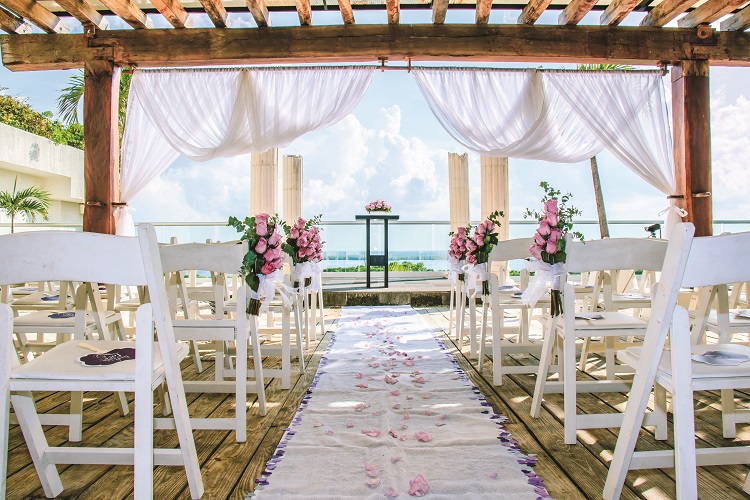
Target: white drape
(211,113)
(506,113)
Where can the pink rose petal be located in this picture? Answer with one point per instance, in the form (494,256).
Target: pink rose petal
(363,385)
(395,392)
(371,470)
(393,433)
(419,380)
(423,436)
(403,438)
(328,432)
(361,407)
(395,459)
(406,416)
(428,412)
(404,427)
(390,380)
(493,475)
(350,424)
(318,424)
(409,362)
(359,375)
(390,492)
(409,398)
(439,424)
(397,406)
(373,483)
(418,487)
(373,433)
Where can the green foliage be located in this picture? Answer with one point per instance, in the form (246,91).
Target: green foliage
(70,99)
(605,67)
(404,266)
(32,202)
(567,212)
(17,113)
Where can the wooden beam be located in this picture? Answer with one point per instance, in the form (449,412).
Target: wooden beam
(174,13)
(393,9)
(259,11)
(347,15)
(738,22)
(101,149)
(439,10)
(666,11)
(532,11)
(484,7)
(37,15)
(575,11)
(216,12)
(84,12)
(709,12)
(130,13)
(365,43)
(692,142)
(12,23)
(616,12)
(303,11)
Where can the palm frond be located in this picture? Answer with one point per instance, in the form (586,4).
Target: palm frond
(33,193)
(605,67)
(31,208)
(70,98)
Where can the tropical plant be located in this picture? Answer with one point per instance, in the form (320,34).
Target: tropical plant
(70,98)
(31,202)
(17,113)
(598,195)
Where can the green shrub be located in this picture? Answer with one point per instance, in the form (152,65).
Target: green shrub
(17,113)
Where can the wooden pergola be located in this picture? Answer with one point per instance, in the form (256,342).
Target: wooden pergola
(690,49)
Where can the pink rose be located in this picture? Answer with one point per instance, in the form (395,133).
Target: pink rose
(267,268)
(471,259)
(302,241)
(461,230)
(536,251)
(300,223)
(261,228)
(480,229)
(462,248)
(555,235)
(551,247)
(294,233)
(489,225)
(301,253)
(274,239)
(479,240)
(550,207)
(471,245)
(544,228)
(262,218)
(310,252)
(539,239)
(553,219)
(261,246)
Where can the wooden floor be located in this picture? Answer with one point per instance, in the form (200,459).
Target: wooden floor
(229,469)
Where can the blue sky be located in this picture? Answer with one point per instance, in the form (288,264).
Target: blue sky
(392,147)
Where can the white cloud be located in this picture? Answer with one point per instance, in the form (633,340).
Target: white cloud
(730,137)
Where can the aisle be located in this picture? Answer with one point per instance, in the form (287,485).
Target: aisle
(391,414)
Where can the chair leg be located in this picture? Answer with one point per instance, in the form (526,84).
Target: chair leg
(298,332)
(258,365)
(321,309)
(569,388)
(28,419)
(728,413)
(450,311)
(660,412)
(144,425)
(196,356)
(684,420)
(75,430)
(497,346)
(461,311)
(544,364)
(240,379)
(609,357)
(473,351)
(584,354)
(122,403)
(483,335)
(286,349)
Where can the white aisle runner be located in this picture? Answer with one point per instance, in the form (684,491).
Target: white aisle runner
(390,413)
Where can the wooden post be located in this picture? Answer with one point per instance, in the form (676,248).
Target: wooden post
(101,152)
(692,142)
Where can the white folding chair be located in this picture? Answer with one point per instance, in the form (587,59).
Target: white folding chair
(708,262)
(598,255)
(107,259)
(227,327)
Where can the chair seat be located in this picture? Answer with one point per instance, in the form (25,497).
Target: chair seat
(734,320)
(61,363)
(611,321)
(631,356)
(42,319)
(39,299)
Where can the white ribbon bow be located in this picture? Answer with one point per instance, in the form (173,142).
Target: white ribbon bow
(312,270)
(475,275)
(455,269)
(124,221)
(269,285)
(672,215)
(546,276)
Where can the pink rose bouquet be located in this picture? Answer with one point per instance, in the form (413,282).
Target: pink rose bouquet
(264,256)
(378,206)
(480,245)
(457,252)
(555,221)
(303,240)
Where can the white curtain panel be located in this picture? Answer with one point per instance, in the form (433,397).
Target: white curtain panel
(506,113)
(628,113)
(211,113)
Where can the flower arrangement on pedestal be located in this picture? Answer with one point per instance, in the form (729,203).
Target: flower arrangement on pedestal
(264,258)
(378,206)
(304,246)
(548,249)
(478,249)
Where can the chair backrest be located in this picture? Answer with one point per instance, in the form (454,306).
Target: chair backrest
(718,260)
(214,257)
(514,249)
(609,254)
(71,256)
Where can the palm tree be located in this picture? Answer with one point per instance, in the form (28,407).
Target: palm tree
(602,215)
(70,98)
(32,202)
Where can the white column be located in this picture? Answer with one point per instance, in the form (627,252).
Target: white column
(264,182)
(458,187)
(495,191)
(292,188)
